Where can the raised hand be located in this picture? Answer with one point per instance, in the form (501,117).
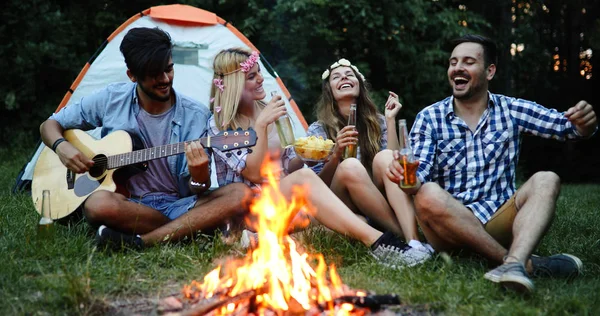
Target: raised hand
(392,106)
(346,136)
(274,110)
(73,159)
(583,117)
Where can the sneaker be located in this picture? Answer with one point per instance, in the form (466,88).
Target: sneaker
(110,238)
(424,247)
(390,251)
(249,239)
(429,248)
(557,266)
(511,275)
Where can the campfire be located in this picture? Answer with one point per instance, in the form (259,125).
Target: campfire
(276,277)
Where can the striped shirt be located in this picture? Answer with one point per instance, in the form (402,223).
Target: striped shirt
(229,165)
(318,129)
(478,167)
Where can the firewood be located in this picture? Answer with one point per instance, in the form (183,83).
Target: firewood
(207,308)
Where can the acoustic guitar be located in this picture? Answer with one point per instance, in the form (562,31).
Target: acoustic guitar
(115,160)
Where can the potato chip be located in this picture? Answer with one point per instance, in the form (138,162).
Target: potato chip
(313,148)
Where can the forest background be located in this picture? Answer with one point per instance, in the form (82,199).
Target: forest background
(548,50)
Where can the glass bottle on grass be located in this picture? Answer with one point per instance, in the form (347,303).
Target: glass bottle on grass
(350,150)
(407,158)
(284,129)
(46,225)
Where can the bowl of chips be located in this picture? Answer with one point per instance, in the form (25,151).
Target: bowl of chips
(313,148)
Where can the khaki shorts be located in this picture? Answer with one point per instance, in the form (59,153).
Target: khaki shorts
(500,225)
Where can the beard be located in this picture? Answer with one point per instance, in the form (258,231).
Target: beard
(156,97)
(474,90)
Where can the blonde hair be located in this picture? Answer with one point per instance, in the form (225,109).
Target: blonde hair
(227,67)
(367,123)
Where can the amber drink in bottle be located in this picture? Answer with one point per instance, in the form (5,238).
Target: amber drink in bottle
(350,150)
(46,225)
(407,158)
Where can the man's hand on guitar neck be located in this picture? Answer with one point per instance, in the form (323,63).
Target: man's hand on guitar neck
(197,161)
(72,158)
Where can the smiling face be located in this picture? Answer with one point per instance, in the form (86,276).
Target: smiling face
(159,87)
(253,88)
(344,84)
(467,73)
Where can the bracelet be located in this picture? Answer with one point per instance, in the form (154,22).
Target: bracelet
(197,185)
(56,143)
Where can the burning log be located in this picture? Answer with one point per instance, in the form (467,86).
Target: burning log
(372,302)
(218,303)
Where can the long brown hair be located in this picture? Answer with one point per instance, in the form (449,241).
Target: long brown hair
(367,123)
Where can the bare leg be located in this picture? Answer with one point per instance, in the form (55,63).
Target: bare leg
(452,224)
(210,211)
(331,211)
(400,202)
(115,211)
(536,202)
(353,185)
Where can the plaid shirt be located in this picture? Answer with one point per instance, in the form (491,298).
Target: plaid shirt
(478,167)
(229,169)
(318,129)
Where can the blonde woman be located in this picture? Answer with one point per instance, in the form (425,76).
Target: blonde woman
(237,95)
(361,182)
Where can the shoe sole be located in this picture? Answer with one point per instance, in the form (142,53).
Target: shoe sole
(385,264)
(516,283)
(492,277)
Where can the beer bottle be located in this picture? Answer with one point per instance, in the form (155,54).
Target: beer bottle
(46,225)
(407,158)
(284,129)
(350,150)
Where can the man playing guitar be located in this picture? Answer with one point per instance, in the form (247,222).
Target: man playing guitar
(170,200)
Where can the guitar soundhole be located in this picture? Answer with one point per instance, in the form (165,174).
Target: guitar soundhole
(100,162)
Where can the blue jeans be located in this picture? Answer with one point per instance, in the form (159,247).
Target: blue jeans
(171,206)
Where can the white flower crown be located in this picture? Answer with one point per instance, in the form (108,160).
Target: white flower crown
(342,62)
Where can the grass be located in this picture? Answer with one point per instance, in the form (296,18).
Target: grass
(66,275)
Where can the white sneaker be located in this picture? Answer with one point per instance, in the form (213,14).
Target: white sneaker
(429,248)
(421,246)
(415,256)
(393,252)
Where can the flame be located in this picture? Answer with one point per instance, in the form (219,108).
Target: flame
(275,269)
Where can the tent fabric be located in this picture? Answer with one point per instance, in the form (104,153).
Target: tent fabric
(197,35)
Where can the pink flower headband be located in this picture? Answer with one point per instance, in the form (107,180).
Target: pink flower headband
(245,66)
(250,62)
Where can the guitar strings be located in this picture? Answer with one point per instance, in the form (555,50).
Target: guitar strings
(104,159)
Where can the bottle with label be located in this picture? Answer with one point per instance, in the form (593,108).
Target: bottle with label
(350,150)
(46,225)
(407,158)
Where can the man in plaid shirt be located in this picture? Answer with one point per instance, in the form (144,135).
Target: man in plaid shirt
(468,148)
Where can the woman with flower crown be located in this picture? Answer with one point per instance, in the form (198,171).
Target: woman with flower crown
(237,97)
(361,182)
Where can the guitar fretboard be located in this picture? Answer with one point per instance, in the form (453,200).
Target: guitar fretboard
(142,155)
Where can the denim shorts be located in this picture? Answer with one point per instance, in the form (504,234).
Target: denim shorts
(171,206)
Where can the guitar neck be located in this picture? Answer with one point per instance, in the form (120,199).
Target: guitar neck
(143,155)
